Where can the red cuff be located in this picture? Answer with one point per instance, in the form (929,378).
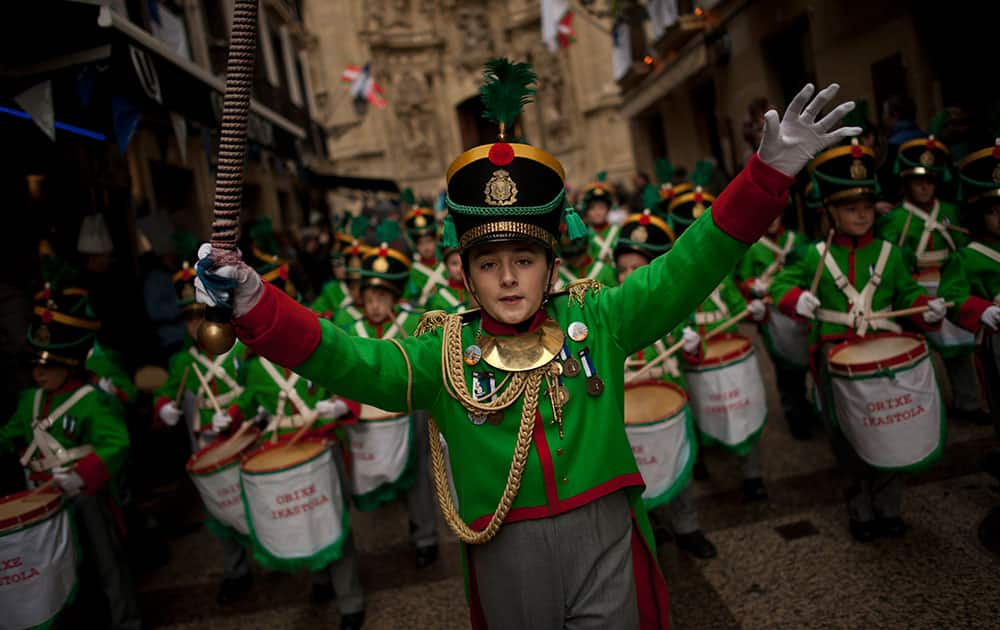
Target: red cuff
(970,311)
(746,286)
(751,201)
(93,472)
(161,402)
(279,329)
(918,318)
(788,301)
(353,415)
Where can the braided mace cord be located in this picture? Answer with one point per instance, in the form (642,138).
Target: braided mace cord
(232,137)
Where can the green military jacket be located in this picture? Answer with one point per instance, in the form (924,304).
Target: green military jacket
(971,279)
(602,243)
(930,249)
(226,384)
(106,363)
(667,370)
(856,259)
(724,302)
(451,299)
(95,420)
(767,257)
(593,269)
(426,277)
(261,390)
(403,324)
(335,303)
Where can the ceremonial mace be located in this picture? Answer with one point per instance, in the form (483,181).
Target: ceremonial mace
(216,335)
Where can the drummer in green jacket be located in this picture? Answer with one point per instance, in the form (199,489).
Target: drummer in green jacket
(971,277)
(427,271)
(929,230)
(579,263)
(546,489)
(845,179)
(643,237)
(596,205)
(339,299)
(84,443)
(754,275)
(453,298)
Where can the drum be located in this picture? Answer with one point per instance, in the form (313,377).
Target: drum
(657,423)
(786,338)
(215,471)
(294,506)
(950,340)
(149,378)
(38,575)
(381,466)
(887,401)
(727,393)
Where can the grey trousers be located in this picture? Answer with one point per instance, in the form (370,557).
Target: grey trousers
(961,371)
(870,493)
(572,571)
(343,573)
(420,500)
(102,544)
(683,512)
(750,464)
(235,559)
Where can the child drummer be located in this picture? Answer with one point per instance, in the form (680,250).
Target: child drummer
(73,432)
(427,273)
(845,179)
(596,203)
(453,298)
(971,277)
(723,303)
(643,237)
(548,499)
(340,297)
(929,231)
(578,263)
(385,272)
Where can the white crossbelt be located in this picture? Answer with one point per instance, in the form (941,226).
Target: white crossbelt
(860,303)
(391,332)
(447,296)
(931,224)
(703,318)
(780,255)
(53,453)
(435,278)
(989,253)
(213,370)
(305,414)
(606,245)
(345,302)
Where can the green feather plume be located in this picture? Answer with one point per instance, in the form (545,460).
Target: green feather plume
(505,90)
(702,174)
(602,176)
(359,226)
(938,122)
(664,170)
(262,234)
(407,196)
(387,231)
(650,197)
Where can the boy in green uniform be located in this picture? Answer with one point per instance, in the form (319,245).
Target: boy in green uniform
(453,298)
(928,231)
(427,273)
(74,433)
(384,273)
(861,275)
(338,301)
(643,237)
(785,338)
(971,277)
(566,537)
(578,263)
(597,200)
(724,302)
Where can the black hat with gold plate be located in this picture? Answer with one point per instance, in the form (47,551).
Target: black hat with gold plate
(597,190)
(646,234)
(844,173)
(685,207)
(420,222)
(385,267)
(265,259)
(506,191)
(63,327)
(923,157)
(184,286)
(979,175)
(354,257)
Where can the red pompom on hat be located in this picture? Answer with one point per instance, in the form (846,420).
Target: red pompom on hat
(501,154)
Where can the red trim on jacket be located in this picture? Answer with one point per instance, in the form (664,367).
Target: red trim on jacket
(750,202)
(545,459)
(651,593)
(280,329)
(970,311)
(564,505)
(494,327)
(94,473)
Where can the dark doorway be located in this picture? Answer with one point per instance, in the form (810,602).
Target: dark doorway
(789,56)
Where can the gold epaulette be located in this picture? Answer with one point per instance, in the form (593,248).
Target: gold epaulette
(578,290)
(431,320)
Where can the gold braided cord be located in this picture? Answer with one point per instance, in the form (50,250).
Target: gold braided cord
(429,321)
(409,376)
(452,367)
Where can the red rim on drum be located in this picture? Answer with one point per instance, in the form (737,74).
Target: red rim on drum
(723,348)
(895,348)
(221,453)
(28,506)
(277,457)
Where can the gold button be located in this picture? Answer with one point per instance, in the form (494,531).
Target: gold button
(559,451)
(565,480)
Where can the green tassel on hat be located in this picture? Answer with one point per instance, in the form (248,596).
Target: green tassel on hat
(575,227)
(449,237)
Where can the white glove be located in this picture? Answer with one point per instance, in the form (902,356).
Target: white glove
(221,421)
(263,417)
(806,305)
(936,310)
(758,310)
(249,286)
(170,414)
(991,317)
(789,143)
(691,340)
(331,409)
(68,481)
(106,384)
(758,288)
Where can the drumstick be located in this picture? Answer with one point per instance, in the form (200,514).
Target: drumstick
(906,228)
(958,228)
(208,390)
(913,310)
(822,263)
(658,360)
(309,422)
(180,390)
(726,324)
(279,415)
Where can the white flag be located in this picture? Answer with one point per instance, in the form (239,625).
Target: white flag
(552,12)
(621,54)
(37,102)
(662,15)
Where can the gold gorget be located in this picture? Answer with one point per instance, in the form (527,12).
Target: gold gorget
(525,352)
